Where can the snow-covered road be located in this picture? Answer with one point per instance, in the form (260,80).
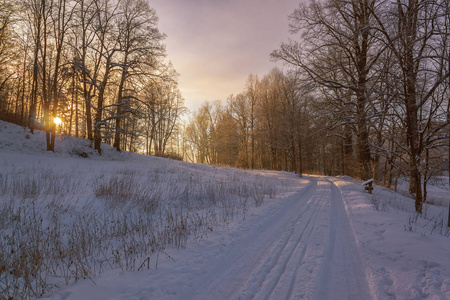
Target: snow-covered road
(306,249)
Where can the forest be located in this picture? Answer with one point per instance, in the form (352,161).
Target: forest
(365,91)
(97,65)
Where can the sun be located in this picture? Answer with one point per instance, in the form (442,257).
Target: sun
(57,121)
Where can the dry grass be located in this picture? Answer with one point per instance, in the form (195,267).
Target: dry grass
(58,227)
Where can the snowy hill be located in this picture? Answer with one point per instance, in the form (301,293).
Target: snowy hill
(126,226)
(19,140)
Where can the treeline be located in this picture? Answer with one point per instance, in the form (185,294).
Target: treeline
(278,123)
(367,96)
(99,65)
(264,127)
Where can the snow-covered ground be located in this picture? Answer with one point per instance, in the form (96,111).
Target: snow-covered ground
(213,233)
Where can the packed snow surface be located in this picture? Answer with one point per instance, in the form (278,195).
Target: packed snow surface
(316,237)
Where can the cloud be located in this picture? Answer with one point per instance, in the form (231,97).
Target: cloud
(216,44)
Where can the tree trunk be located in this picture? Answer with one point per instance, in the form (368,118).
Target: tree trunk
(348,151)
(45,96)
(448,170)
(414,160)
(361,49)
(86,90)
(97,131)
(364,149)
(119,103)
(98,120)
(425,175)
(100,102)
(300,160)
(77,132)
(72,102)
(34,86)
(408,26)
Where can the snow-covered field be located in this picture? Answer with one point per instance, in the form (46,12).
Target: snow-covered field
(126,226)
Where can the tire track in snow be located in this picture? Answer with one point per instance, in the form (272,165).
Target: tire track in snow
(286,277)
(300,262)
(306,251)
(342,273)
(368,276)
(248,266)
(275,276)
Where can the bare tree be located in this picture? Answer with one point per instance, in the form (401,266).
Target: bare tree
(85,14)
(338,51)
(409,30)
(163,106)
(61,18)
(105,51)
(6,10)
(34,15)
(141,51)
(240,110)
(200,135)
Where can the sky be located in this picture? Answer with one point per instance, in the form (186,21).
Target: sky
(216,44)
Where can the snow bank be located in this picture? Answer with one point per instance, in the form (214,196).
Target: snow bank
(408,256)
